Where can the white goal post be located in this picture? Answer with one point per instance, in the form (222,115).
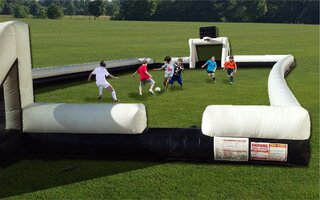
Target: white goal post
(204,49)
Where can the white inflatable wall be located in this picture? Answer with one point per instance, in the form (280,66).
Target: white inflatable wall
(15,60)
(284,119)
(84,118)
(271,122)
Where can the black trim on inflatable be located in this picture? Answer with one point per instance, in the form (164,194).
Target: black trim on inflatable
(10,146)
(174,144)
(153,144)
(2,111)
(255,64)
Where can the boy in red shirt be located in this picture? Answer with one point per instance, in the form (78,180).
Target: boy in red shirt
(145,77)
(231,67)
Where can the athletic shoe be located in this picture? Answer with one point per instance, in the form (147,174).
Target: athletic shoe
(231,83)
(151,92)
(99,97)
(115,100)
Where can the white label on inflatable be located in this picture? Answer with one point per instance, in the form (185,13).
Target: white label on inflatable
(269,151)
(231,149)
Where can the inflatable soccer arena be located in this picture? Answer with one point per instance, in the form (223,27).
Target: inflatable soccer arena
(273,134)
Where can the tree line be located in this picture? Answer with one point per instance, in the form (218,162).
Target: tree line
(266,11)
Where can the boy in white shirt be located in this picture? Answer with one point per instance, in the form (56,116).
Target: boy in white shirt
(101,82)
(168,71)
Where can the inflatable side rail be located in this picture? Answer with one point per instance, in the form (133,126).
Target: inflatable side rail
(284,119)
(84,118)
(278,90)
(46,72)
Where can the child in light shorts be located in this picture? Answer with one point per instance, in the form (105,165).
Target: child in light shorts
(168,71)
(101,74)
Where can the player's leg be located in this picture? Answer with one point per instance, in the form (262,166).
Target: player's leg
(113,92)
(209,73)
(179,80)
(167,82)
(140,88)
(230,75)
(172,80)
(213,77)
(151,82)
(100,92)
(164,82)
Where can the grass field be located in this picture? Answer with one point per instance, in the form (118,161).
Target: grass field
(79,41)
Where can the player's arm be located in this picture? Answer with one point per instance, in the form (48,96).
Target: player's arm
(90,75)
(148,74)
(157,69)
(236,67)
(204,64)
(134,73)
(114,77)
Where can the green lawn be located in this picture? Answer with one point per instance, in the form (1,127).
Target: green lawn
(79,41)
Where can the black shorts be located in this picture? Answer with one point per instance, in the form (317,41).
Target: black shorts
(210,72)
(230,71)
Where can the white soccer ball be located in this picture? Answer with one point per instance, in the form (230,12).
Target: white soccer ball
(157,89)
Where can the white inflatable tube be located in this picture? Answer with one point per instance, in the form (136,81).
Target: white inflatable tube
(85,67)
(278,90)
(258,58)
(270,122)
(8,50)
(84,118)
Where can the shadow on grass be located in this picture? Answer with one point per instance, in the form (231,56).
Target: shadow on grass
(34,175)
(175,88)
(145,95)
(105,99)
(43,88)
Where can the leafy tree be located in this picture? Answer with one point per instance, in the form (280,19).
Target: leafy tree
(34,8)
(1,5)
(7,9)
(310,12)
(112,8)
(54,12)
(20,12)
(81,7)
(42,13)
(137,9)
(70,9)
(96,8)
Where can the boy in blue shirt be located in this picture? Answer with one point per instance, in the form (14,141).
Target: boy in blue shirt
(211,68)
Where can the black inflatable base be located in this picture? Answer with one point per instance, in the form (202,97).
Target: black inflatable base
(156,144)
(10,146)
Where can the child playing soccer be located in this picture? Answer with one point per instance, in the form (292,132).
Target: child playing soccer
(168,71)
(101,82)
(211,68)
(145,77)
(231,67)
(177,73)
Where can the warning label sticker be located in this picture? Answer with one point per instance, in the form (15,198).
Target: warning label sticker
(232,149)
(269,151)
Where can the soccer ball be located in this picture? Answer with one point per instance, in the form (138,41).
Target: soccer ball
(157,89)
